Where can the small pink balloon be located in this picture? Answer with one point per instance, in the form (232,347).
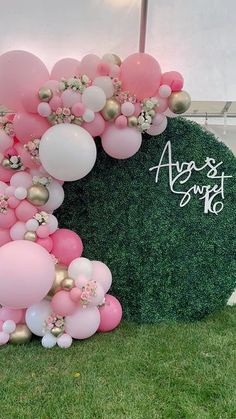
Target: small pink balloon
(14,314)
(67,245)
(10,190)
(62,304)
(4,236)
(47,243)
(121,143)
(7,219)
(30,99)
(55,103)
(121,121)
(44,109)
(78,109)
(75,294)
(18,231)
(29,126)
(173,79)
(21,179)
(111,314)
(89,65)
(4,338)
(158,129)
(162,105)
(96,127)
(5,174)
(103,68)
(83,323)
(102,274)
(25,211)
(13,202)
(65,68)
(42,232)
(127,108)
(5,141)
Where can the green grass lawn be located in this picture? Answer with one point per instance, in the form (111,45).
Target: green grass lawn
(166,371)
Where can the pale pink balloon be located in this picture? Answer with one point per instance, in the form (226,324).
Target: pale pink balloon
(121,143)
(5,174)
(42,232)
(158,118)
(26,158)
(26,273)
(18,231)
(55,103)
(164,90)
(67,245)
(83,323)
(75,294)
(162,105)
(64,341)
(21,179)
(4,338)
(114,71)
(89,65)
(62,304)
(81,281)
(25,211)
(5,141)
(140,75)
(173,79)
(4,236)
(70,98)
(30,99)
(44,109)
(65,68)
(14,314)
(7,219)
(19,69)
(103,68)
(102,274)
(138,109)
(78,109)
(47,243)
(3,187)
(96,127)
(29,126)
(111,314)
(127,108)
(13,202)
(158,129)
(121,121)
(10,191)
(1,323)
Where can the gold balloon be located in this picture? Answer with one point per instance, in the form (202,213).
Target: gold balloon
(132,121)
(38,194)
(117,59)
(21,335)
(78,121)
(6,163)
(60,274)
(56,331)
(30,235)
(179,102)
(45,94)
(67,284)
(111,110)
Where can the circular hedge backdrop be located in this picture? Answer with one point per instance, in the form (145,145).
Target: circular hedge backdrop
(167,262)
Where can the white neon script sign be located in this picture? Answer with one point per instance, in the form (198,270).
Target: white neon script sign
(209,194)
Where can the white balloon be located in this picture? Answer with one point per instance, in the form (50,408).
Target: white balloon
(105,83)
(52,223)
(67,152)
(36,315)
(88,115)
(9,326)
(64,341)
(31,224)
(20,193)
(49,341)
(17,231)
(80,266)
(69,98)
(56,197)
(94,98)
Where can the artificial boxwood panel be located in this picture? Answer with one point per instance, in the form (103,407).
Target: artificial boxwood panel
(167,262)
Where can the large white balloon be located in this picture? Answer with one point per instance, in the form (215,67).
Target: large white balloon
(67,152)
(36,315)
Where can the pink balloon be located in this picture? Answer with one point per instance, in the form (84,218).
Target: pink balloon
(1,323)
(102,274)
(44,109)
(25,157)
(5,174)
(47,243)
(21,179)
(62,304)
(121,121)
(13,202)
(158,118)
(4,338)
(53,85)
(29,126)
(14,314)
(121,143)
(55,103)
(30,100)
(65,68)
(96,127)
(162,105)
(83,323)
(26,273)
(89,65)
(42,232)
(140,75)
(67,245)
(7,219)
(4,236)
(25,211)
(173,79)
(158,129)
(19,69)
(75,294)
(78,109)
(5,141)
(111,314)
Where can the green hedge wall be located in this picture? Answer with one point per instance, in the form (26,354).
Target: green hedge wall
(168,263)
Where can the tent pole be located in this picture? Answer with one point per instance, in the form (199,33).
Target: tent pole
(143,25)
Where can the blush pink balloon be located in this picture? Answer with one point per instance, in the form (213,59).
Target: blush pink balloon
(5,141)
(4,338)
(27,273)
(67,245)
(14,314)
(1,323)
(75,294)
(121,143)
(140,75)
(121,121)
(47,243)
(5,174)
(25,157)
(78,109)
(96,127)
(158,129)
(102,274)
(7,219)
(83,323)
(55,103)
(89,65)
(65,68)
(25,211)
(53,85)
(19,69)
(62,304)
(21,179)
(42,232)
(162,105)
(4,236)
(173,79)
(29,126)
(30,100)
(18,231)
(111,314)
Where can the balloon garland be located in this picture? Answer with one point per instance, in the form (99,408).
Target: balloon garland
(47,135)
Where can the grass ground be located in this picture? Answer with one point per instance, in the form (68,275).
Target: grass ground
(145,372)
